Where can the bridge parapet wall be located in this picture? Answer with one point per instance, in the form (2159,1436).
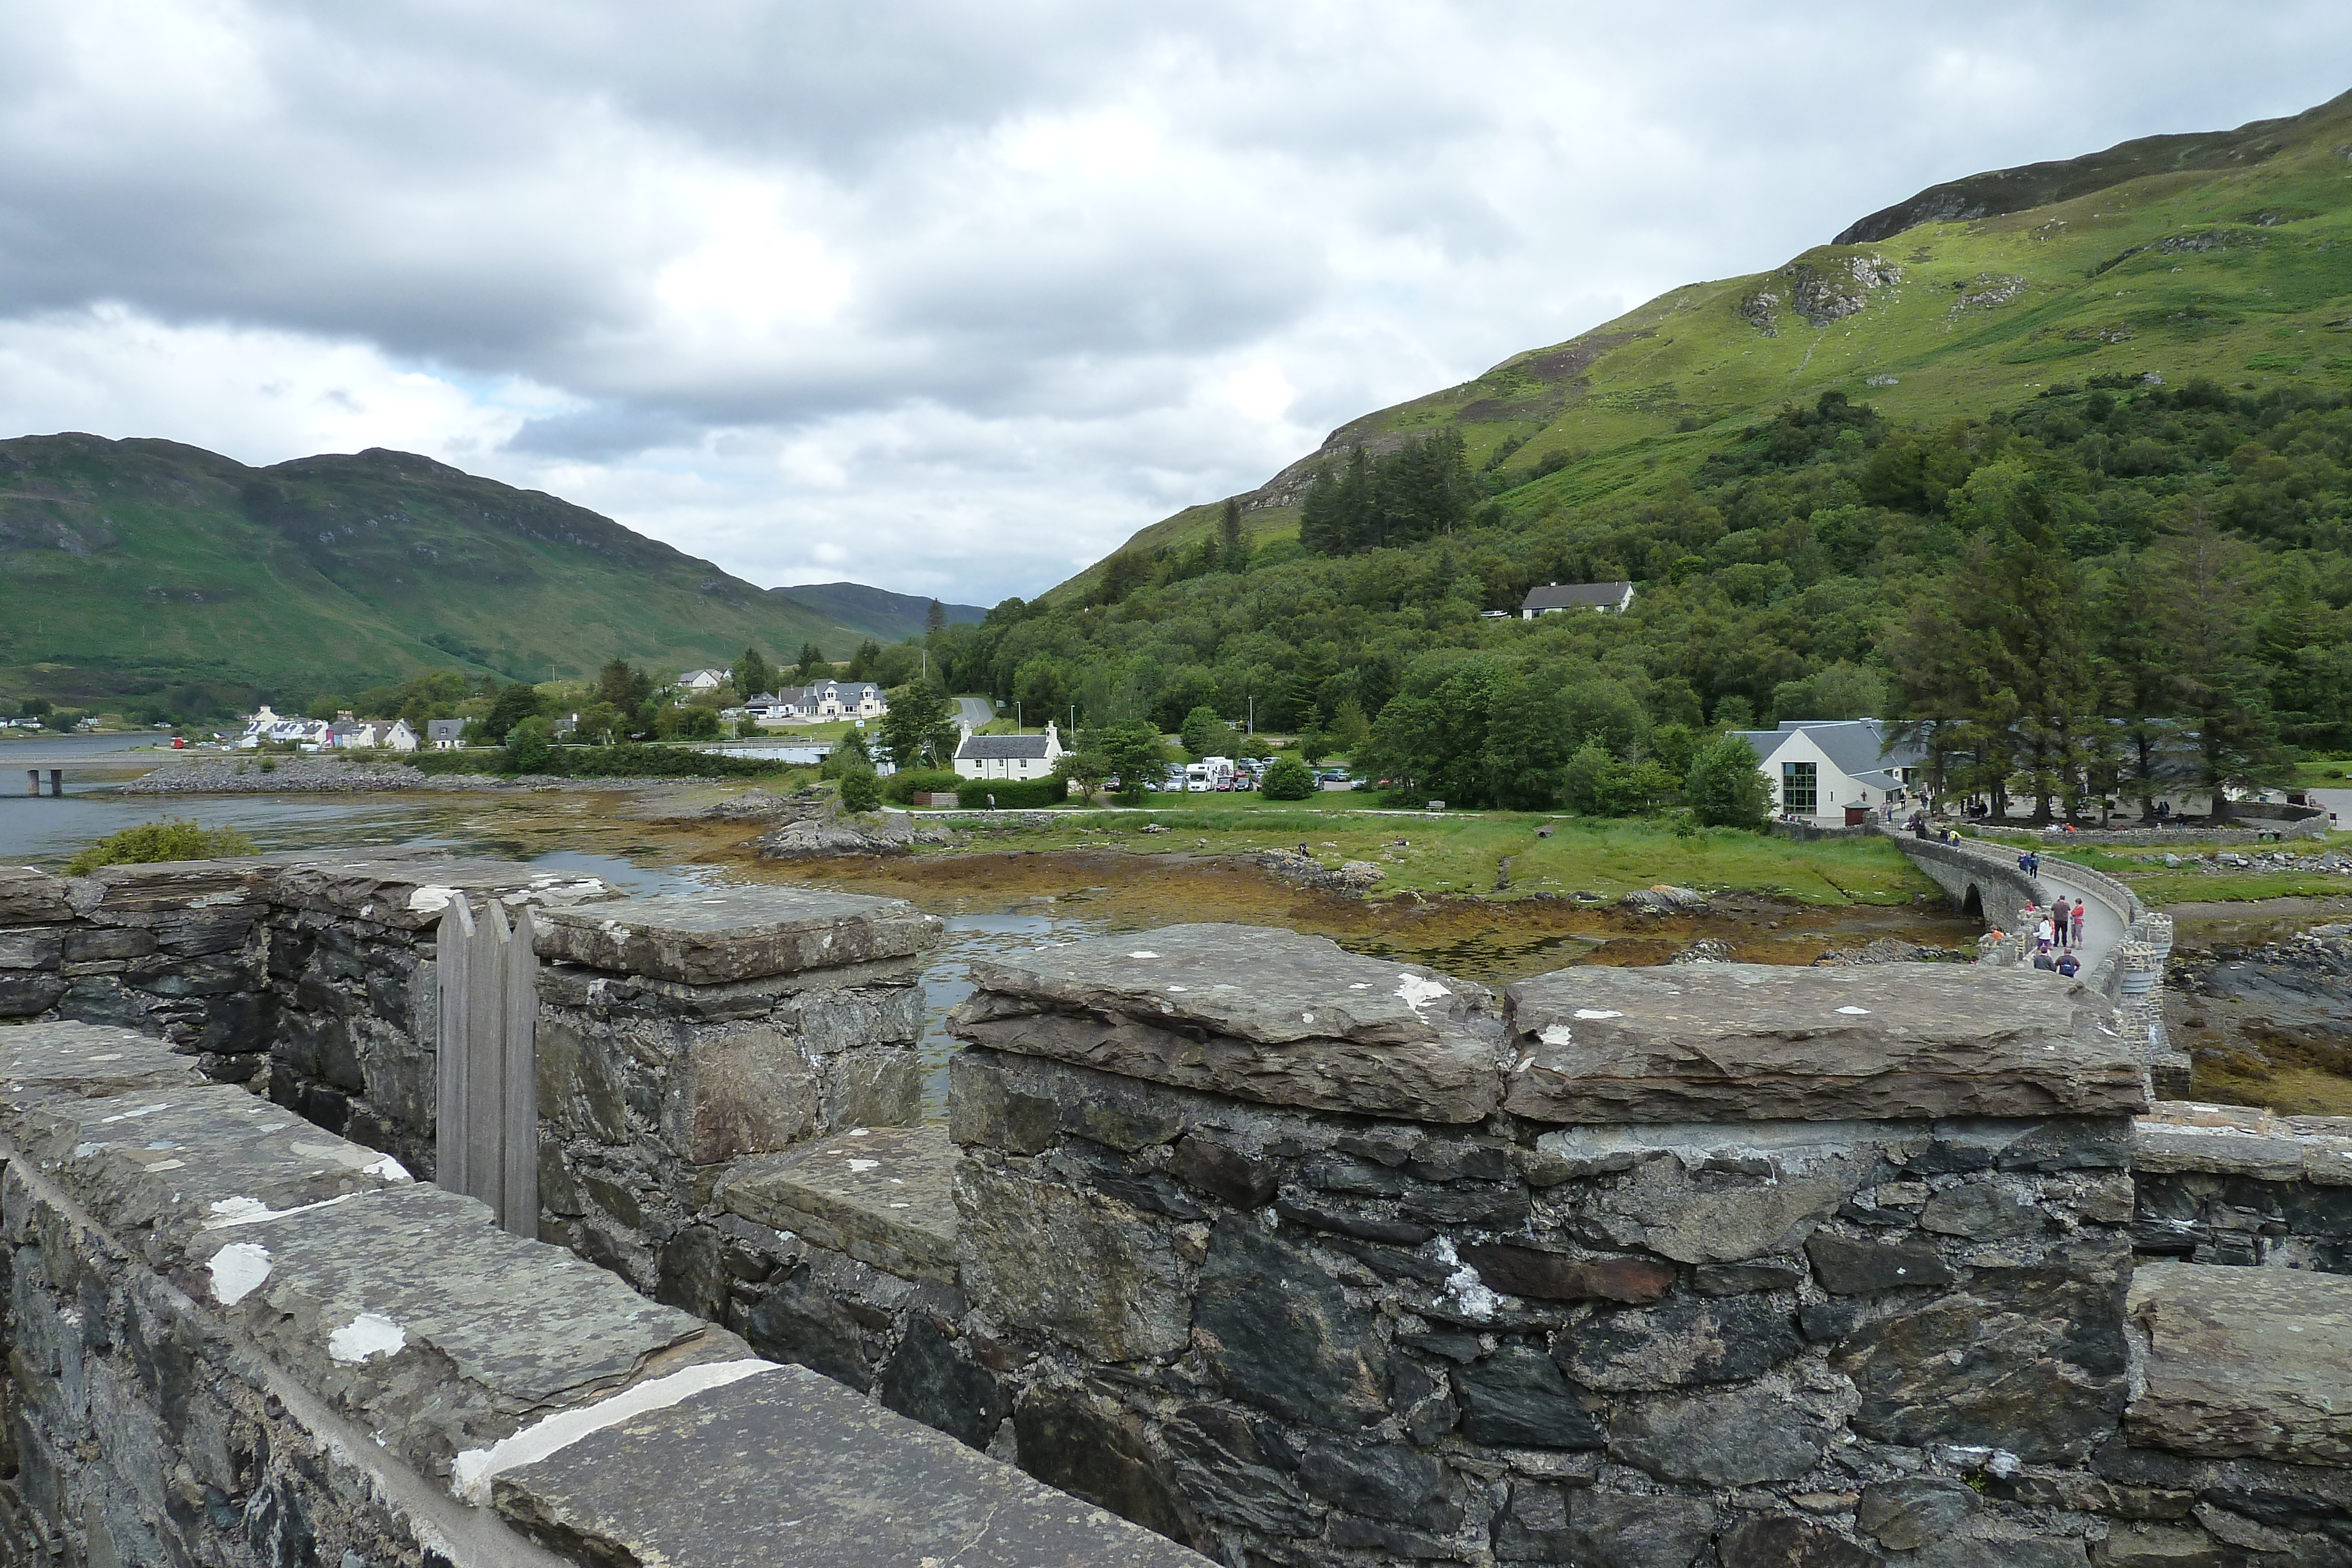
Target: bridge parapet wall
(1323,1258)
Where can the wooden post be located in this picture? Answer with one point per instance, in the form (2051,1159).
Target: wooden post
(518,1192)
(57,783)
(486,1082)
(31,781)
(453,947)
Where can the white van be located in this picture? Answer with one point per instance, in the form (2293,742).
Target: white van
(1208,775)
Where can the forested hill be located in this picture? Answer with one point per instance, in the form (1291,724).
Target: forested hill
(2086,459)
(152,569)
(2222,255)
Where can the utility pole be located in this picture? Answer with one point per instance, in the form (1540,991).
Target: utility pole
(1016,716)
(1253,713)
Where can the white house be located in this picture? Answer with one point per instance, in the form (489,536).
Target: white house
(264,725)
(444,734)
(1610,597)
(1834,772)
(1015,756)
(704,680)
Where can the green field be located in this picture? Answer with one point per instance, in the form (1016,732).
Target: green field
(1463,852)
(2144,872)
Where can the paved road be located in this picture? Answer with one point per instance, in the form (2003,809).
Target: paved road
(975,711)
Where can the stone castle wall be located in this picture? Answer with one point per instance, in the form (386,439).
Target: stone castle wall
(1304,1258)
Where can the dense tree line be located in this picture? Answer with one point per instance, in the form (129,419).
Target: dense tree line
(2111,587)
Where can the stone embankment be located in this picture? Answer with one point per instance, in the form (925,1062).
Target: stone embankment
(351,776)
(1289,1254)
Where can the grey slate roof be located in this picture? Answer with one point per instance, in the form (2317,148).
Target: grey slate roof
(1576,596)
(1001,748)
(1856,745)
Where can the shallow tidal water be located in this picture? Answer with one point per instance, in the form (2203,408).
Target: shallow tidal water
(989,903)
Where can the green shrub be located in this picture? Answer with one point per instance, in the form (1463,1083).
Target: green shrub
(530,743)
(901,788)
(1288,779)
(1724,787)
(1012,794)
(860,790)
(169,840)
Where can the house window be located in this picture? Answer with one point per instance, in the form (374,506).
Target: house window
(1797,791)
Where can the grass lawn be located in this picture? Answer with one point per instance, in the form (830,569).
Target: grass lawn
(1463,853)
(2145,872)
(2323,773)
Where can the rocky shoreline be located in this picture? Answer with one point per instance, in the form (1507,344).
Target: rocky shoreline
(337,776)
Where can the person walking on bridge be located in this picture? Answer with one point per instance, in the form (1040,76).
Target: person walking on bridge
(2077,920)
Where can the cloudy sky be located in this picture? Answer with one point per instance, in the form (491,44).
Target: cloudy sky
(952,298)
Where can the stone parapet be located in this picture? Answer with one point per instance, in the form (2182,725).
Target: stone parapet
(1286,1336)
(763,1019)
(1265,1015)
(2236,1185)
(1752,1041)
(236,1340)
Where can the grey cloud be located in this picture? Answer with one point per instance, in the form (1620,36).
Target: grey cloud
(1369,200)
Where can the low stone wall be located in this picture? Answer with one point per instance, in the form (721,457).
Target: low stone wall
(234,1340)
(2235,1185)
(1312,1259)
(311,980)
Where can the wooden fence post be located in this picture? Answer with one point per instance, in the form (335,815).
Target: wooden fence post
(486,1093)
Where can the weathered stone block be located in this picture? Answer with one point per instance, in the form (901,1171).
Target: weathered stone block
(1228,1474)
(2030,1360)
(1785,1543)
(1686,1341)
(985,1106)
(28,994)
(1606,1529)
(1382,1480)
(736,934)
(1910,1514)
(877,1086)
(160,1168)
(410,892)
(1518,1398)
(1089,1447)
(1278,1333)
(1557,1277)
(786,1467)
(2251,1362)
(1089,1270)
(882,1194)
(29,897)
(932,1380)
(1268,1016)
(1846,1267)
(35,947)
(87,1061)
(1745,1041)
(400,1308)
(1737,1438)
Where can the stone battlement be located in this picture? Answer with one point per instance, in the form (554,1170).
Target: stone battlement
(1290,1255)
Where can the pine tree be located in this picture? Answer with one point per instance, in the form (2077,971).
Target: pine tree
(2217,683)
(935,620)
(1232,544)
(752,675)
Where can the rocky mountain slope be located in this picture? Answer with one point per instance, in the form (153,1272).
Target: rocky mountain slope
(2226,255)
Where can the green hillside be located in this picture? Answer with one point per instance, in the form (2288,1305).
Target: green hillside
(144,567)
(2226,256)
(2073,481)
(874,612)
